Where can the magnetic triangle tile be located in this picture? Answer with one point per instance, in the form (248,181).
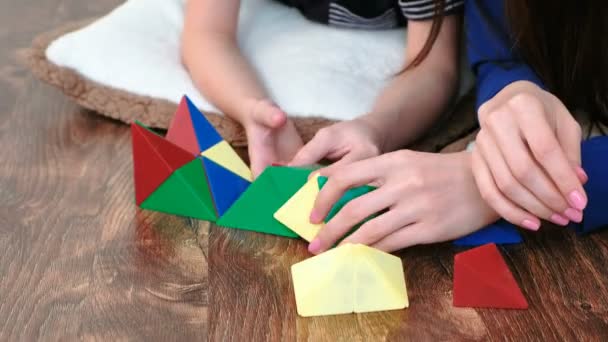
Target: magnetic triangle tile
(223,154)
(181,130)
(482,279)
(184,193)
(323,284)
(349,278)
(225,186)
(255,208)
(154,160)
(594,153)
(501,233)
(295,213)
(379,281)
(206,135)
(347,197)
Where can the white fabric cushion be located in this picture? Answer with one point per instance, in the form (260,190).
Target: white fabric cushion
(309,69)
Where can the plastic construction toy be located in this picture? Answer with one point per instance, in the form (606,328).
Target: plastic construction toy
(500,233)
(349,278)
(482,280)
(193,172)
(255,208)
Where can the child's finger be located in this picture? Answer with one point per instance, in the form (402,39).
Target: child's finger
(268,114)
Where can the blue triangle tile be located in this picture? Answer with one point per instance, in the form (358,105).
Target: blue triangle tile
(226,186)
(206,134)
(594,153)
(500,233)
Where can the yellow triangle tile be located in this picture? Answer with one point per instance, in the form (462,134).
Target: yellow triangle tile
(223,154)
(349,278)
(295,213)
(323,284)
(379,281)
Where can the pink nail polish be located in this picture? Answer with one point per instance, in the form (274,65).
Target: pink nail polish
(315,246)
(577,200)
(559,219)
(531,224)
(573,214)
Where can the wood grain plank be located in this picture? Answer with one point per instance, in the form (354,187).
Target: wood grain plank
(77,258)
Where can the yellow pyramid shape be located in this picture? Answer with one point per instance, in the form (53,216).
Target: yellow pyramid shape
(349,278)
(295,213)
(223,154)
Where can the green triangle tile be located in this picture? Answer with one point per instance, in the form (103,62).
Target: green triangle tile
(184,193)
(255,208)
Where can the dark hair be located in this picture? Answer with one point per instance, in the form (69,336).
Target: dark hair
(566,43)
(438,14)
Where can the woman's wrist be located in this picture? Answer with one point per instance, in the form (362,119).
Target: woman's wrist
(378,133)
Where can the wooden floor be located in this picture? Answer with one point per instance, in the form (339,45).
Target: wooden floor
(78,260)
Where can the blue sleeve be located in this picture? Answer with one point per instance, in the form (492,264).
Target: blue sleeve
(489,49)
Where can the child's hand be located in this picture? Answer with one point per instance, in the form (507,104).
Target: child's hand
(347,141)
(527,159)
(428,198)
(272,138)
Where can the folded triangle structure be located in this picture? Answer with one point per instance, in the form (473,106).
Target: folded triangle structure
(483,280)
(223,154)
(184,193)
(295,213)
(154,160)
(349,278)
(255,208)
(225,186)
(190,130)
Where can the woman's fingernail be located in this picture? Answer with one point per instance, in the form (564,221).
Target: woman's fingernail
(559,219)
(315,246)
(577,200)
(574,215)
(531,224)
(278,164)
(582,174)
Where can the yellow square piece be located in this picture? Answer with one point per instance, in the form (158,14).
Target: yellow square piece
(349,278)
(223,154)
(295,213)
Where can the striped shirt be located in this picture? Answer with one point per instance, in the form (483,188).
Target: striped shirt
(371,14)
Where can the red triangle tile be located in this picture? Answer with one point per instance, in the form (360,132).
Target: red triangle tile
(181,130)
(154,160)
(482,279)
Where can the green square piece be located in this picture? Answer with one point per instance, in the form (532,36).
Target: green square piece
(255,208)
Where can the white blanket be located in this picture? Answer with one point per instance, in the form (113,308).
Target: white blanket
(309,69)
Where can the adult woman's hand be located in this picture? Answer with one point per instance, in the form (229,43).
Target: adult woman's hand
(527,159)
(421,197)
